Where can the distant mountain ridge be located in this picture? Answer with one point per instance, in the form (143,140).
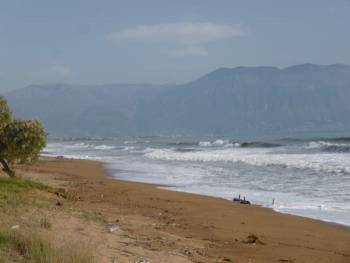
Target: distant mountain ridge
(237,101)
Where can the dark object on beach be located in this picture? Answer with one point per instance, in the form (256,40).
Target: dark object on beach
(245,202)
(253,239)
(58,203)
(237,199)
(242,201)
(286,260)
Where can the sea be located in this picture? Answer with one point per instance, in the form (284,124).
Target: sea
(306,177)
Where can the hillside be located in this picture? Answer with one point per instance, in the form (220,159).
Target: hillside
(238,101)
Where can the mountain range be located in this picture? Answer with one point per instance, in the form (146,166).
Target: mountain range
(231,101)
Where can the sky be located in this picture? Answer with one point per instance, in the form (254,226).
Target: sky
(163,41)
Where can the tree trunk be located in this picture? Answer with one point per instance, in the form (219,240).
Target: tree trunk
(7,168)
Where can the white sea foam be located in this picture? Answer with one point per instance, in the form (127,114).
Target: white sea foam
(323,146)
(205,144)
(220,142)
(128,148)
(216,143)
(329,163)
(104,147)
(78,145)
(130,142)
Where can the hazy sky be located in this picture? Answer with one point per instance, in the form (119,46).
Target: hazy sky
(163,41)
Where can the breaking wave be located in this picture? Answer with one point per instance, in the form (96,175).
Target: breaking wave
(104,147)
(227,143)
(326,163)
(323,146)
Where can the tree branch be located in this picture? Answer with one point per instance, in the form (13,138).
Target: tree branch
(6,168)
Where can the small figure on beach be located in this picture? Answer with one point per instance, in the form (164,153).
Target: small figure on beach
(242,201)
(245,202)
(237,199)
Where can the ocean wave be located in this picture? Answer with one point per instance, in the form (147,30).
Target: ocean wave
(228,144)
(323,146)
(78,145)
(128,148)
(205,144)
(74,139)
(336,139)
(130,142)
(260,144)
(326,163)
(185,150)
(182,144)
(215,143)
(312,206)
(104,147)
(83,145)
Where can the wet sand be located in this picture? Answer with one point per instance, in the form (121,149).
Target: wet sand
(169,226)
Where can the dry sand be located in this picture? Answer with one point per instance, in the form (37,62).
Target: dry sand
(166,226)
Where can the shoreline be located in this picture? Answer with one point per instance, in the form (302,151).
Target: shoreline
(253,204)
(169,188)
(199,228)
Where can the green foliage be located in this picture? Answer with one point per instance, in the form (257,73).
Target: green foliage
(5,113)
(20,140)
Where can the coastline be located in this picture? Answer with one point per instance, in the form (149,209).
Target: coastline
(173,189)
(169,188)
(189,227)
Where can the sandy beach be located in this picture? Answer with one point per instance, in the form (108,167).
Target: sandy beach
(166,226)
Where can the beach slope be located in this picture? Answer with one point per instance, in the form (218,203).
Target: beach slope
(167,226)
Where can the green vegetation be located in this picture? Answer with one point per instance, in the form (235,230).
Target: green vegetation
(13,192)
(22,231)
(31,248)
(20,140)
(19,184)
(5,113)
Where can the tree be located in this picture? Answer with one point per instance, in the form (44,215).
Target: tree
(5,113)
(20,140)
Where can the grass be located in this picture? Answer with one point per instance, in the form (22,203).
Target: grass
(19,184)
(24,202)
(33,249)
(14,192)
(45,223)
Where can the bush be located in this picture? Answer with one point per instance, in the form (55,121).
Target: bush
(20,140)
